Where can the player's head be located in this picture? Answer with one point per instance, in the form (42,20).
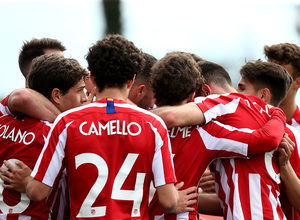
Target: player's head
(286,55)
(175,78)
(59,79)
(113,62)
(37,47)
(217,79)
(141,92)
(265,80)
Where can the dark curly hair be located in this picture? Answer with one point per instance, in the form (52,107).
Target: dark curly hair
(174,78)
(51,71)
(268,75)
(113,61)
(285,53)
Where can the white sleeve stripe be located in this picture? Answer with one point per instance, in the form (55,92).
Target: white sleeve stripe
(221,109)
(213,143)
(157,164)
(231,128)
(57,158)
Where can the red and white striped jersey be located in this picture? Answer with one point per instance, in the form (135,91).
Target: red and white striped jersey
(194,148)
(288,209)
(59,197)
(21,138)
(295,120)
(248,188)
(111,151)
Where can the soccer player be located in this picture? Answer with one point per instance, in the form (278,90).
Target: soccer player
(257,80)
(141,92)
(290,180)
(175,79)
(61,80)
(288,56)
(111,149)
(25,100)
(37,47)
(228,108)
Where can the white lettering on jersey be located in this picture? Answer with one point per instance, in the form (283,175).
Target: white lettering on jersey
(19,207)
(111,128)
(16,135)
(186,131)
(258,107)
(87,209)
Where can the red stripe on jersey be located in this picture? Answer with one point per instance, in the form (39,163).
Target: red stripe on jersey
(22,140)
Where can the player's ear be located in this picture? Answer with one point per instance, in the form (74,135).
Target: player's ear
(297,82)
(55,96)
(140,91)
(205,90)
(266,95)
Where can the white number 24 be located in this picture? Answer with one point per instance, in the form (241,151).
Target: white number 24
(135,195)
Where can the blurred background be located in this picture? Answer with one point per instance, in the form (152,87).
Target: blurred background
(226,32)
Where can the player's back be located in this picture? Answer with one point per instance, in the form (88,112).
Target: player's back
(113,150)
(21,138)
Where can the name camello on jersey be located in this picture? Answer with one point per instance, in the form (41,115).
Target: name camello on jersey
(111,128)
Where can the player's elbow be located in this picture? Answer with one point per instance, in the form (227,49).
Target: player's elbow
(170,120)
(168,197)
(169,205)
(17,99)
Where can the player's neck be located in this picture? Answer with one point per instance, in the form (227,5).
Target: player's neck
(115,93)
(288,106)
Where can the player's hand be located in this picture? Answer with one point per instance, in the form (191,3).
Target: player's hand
(285,150)
(15,178)
(207,182)
(187,197)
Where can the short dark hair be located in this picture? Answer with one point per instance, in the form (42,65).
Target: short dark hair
(174,78)
(268,75)
(145,73)
(285,53)
(113,61)
(51,71)
(215,73)
(34,48)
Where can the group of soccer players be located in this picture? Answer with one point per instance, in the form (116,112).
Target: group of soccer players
(105,157)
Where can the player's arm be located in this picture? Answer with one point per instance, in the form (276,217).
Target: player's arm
(290,181)
(33,104)
(209,204)
(36,190)
(267,138)
(167,197)
(183,115)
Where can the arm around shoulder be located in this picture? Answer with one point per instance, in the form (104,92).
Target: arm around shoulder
(33,104)
(178,116)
